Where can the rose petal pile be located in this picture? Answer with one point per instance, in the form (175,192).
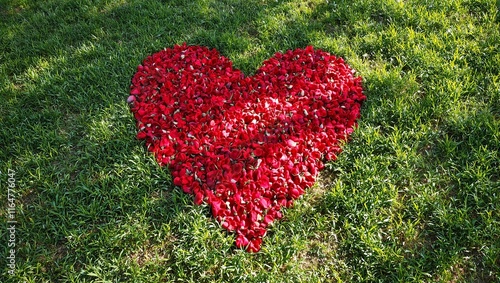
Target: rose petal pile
(246,146)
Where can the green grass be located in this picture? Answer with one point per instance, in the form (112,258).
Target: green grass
(414,197)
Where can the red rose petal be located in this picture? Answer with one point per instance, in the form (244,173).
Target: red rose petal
(241,241)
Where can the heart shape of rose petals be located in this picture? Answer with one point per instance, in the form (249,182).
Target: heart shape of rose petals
(246,146)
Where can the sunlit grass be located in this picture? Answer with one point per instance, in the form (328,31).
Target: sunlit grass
(414,197)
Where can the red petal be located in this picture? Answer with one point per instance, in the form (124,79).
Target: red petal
(254,245)
(241,241)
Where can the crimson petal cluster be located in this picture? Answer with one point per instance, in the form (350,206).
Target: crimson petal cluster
(246,146)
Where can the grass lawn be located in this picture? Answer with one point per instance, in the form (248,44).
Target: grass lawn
(414,197)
